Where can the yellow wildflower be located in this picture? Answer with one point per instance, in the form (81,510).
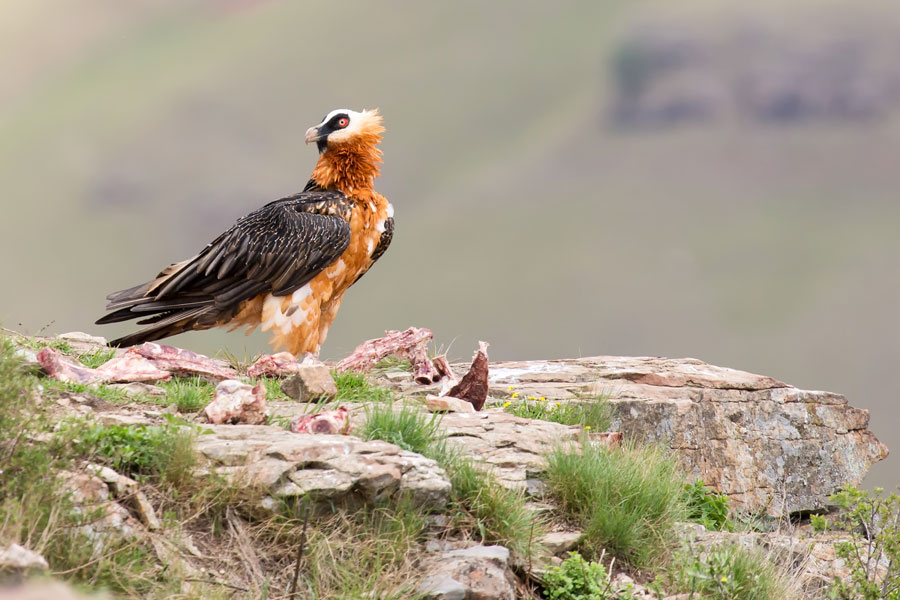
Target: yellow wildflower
(510,388)
(542,399)
(587,427)
(532,398)
(724,579)
(507,403)
(515,394)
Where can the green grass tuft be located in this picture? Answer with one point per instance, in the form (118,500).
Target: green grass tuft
(96,358)
(35,344)
(626,499)
(273,388)
(52,387)
(158,452)
(592,413)
(407,426)
(498,514)
(392,363)
(495,514)
(355,387)
(728,571)
(187,394)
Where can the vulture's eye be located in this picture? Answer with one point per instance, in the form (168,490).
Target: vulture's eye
(343,122)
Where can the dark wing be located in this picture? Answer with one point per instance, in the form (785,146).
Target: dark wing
(383,242)
(275,249)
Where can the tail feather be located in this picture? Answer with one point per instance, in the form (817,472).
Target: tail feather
(139,293)
(165,325)
(126,297)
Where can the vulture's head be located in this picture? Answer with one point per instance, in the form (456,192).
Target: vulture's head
(344,127)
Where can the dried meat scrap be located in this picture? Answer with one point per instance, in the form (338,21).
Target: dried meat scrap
(328,422)
(131,368)
(474,384)
(62,368)
(281,364)
(184,362)
(120,369)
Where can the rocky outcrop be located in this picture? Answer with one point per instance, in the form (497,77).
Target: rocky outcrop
(514,448)
(335,469)
(769,446)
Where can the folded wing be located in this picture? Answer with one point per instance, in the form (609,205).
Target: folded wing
(275,249)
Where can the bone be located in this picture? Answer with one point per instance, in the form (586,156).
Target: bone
(184,362)
(281,364)
(442,368)
(121,369)
(328,422)
(236,402)
(409,344)
(131,368)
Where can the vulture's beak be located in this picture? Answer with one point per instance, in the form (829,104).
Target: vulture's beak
(312,135)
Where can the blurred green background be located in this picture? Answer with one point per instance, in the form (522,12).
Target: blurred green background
(715,179)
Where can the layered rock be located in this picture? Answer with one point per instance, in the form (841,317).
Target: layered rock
(514,448)
(329,468)
(769,446)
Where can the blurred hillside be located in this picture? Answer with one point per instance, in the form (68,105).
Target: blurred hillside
(570,179)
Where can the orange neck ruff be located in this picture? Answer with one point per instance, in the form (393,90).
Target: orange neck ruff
(350,166)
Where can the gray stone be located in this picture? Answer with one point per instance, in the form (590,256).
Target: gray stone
(560,542)
(448,404)
(479,572)
(28,357)
(89,492)
(327,467)
(42,590)
(767,445)
(512,447)
(82,338)
(442,587)
(127,491)
(497,554)
(17,559)
(398,376)
(535,487)
(312,382)
(625,586)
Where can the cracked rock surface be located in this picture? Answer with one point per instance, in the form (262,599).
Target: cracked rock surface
(769,446)
(337,468)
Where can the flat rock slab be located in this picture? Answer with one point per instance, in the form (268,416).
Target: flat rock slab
(769,446)
(515,448)
(332,468)
(478,573)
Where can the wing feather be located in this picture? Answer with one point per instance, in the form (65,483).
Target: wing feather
(276,249)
